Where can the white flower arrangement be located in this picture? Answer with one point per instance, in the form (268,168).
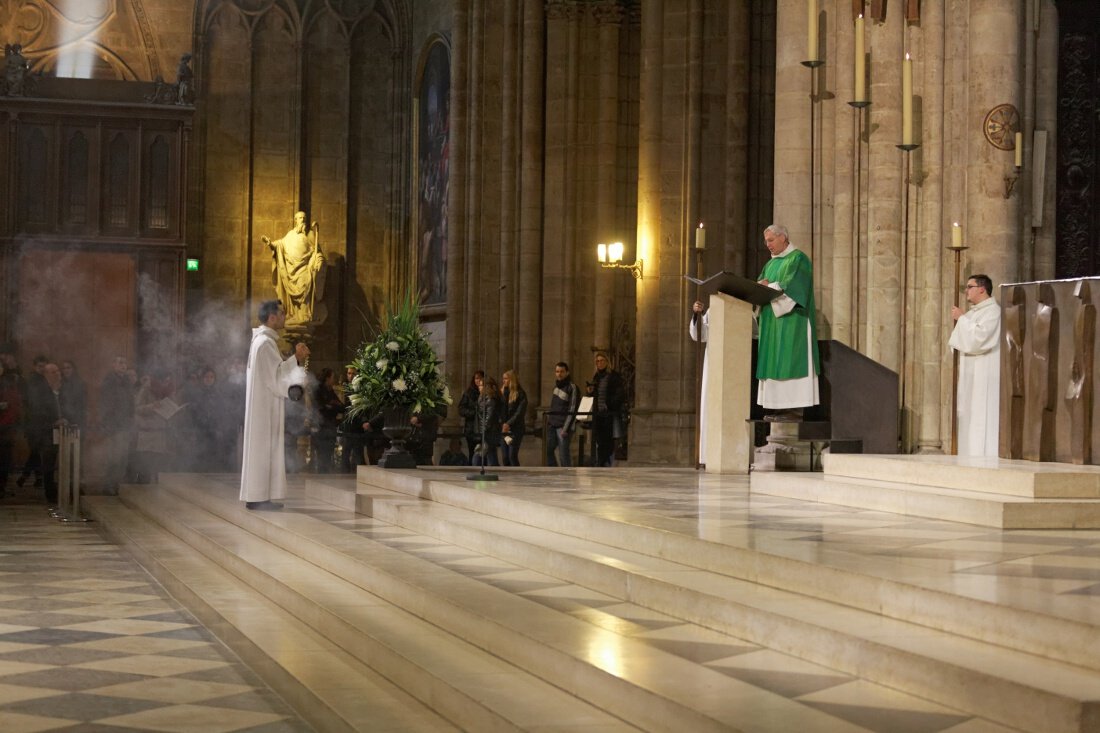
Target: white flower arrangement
(398,367)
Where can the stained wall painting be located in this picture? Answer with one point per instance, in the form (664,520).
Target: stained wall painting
(433,136)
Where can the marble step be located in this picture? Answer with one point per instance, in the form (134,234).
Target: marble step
(1015,688)
(993,475)
(1004,511)
(640,683)
(950,605)
(473,688)
(327,687)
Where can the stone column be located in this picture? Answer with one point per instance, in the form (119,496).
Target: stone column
(932,232)
(558,270)
(649,233)
(792,124)
(848,155)
(609,16)
(530,185)
(992,227)
(461,258)
(509,294)
(883,287)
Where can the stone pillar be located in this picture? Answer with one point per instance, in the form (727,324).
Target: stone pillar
(883,287)
(530,185)
(609,17)
(932,232)
(461,258)
(848,154)
(994,78)
(510,335)
(647,246)
(792,124)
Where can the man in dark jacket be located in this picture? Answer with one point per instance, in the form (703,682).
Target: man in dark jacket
(609,398)
(562,418)
(116,420)
(48,408)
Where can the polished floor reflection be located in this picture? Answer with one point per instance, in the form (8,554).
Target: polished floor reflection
(580,579)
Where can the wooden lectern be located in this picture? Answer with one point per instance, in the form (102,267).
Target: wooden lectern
(728,389)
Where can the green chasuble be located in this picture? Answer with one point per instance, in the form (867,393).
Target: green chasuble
(782,349)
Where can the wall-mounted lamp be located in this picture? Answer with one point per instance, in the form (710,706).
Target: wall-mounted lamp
(611,256)
(1010,181)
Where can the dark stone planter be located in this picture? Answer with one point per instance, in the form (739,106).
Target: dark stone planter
(397,428)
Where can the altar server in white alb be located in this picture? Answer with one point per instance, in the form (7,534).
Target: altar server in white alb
(977,338)
(269,377)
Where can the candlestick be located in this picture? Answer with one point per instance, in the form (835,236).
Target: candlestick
(811,31)
(907,101)
(701,237)
(956,236)
(1019,150)
(861,71)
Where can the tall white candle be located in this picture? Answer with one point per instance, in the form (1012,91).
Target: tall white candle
(811,31)
(907,101)
(956,236)
(1019,150)
(861,69)
(701,237)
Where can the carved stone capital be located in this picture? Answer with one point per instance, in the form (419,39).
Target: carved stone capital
(608,12)
(562,10)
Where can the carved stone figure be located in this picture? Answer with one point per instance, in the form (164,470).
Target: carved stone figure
(298,274)
(185,81)
(16,70)
(1014,329)
(1042,379)
(1079,387)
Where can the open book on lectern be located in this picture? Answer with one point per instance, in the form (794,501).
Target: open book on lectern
(738,287)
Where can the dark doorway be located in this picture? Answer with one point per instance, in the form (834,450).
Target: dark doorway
(1078,207)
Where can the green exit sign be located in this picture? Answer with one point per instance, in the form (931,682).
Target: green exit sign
(192,264)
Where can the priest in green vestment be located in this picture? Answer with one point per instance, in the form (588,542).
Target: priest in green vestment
(787,361)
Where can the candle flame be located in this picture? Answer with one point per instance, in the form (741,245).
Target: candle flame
(906,55)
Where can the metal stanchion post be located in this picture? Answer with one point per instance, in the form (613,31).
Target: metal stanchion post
(74,459)
(61,475)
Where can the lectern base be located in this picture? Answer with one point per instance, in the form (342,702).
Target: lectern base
(784,450)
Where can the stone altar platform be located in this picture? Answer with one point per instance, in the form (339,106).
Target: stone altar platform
(992,492)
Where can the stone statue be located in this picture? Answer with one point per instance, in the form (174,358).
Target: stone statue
(185,81)
(297,271)
(1079,389)
(1042,379)
(16,70)
(1014,328)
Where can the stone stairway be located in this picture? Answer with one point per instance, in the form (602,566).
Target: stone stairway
(1020,668)
(384,623)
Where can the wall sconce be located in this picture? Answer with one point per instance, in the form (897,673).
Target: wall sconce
(1010,181)
(611,256)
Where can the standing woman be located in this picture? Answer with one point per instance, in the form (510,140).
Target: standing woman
(488,423)
(467,410)
(330,411)
(512,417)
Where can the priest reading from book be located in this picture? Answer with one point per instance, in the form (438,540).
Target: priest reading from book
(787,361)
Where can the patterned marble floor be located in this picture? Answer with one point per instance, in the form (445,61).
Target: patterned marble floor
(133,660)
(89,642)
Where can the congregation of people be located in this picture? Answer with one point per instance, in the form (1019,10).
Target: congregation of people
(143,423)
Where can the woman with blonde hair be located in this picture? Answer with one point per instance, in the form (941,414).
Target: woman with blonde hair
(513,415)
